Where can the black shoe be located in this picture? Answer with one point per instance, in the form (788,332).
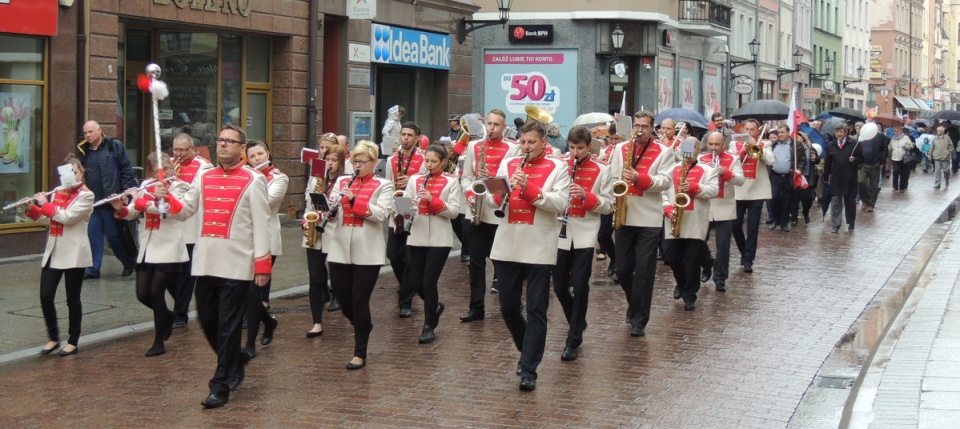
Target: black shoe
(88,276)
(472,315)
(64,352)
(179,322)
(676,293)
(806,219)
(156,350)
(637,331)
(244,325)
(794,222)
(464,258)
(334,305)
(569,354)
(237,379)
(44,352)
(214,401)
(615,278)
(721,286)
(311,334)
(127,270)
(611,271)
(353,366)
(748,267)
(707,271)
(528,383)
(689,306)
(426,336)
(772,226)
(270,325)
(247,353)
(850,228)
(660,256)
(785,228)
(769,221)
(405,313)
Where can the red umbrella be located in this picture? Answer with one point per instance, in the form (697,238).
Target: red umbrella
(888,120)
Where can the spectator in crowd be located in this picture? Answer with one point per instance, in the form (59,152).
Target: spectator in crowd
(940,152)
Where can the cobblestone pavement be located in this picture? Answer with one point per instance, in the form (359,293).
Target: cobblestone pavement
(742,359)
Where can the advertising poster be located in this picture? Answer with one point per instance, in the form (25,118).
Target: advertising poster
(712,89)
(514,79)
(690,93)
(15,132)
(665,82)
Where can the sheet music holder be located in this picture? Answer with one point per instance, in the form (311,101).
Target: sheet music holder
(498,185)
(320,202)
(404,206)
(746,138)
(307,154)
(387,146)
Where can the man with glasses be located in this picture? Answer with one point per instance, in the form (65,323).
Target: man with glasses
(233,250)
(720,125)
(188,165)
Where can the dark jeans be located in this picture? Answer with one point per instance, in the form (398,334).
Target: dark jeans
(481,243)
(49,280)
(102,223)
(605,238)
(637,269)
(151,286)
(802,202)
(901,175)
(781,185)
(426,265)
(573,269)
(220,306)
(530,334)
(397,254)
(353,285)
(184,289)
(747,245)
(460,231)
(683,257)
(317,268)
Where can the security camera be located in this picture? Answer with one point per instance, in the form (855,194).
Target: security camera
(647,66)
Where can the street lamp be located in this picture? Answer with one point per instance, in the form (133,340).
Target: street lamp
(797,57)
(616,36)
(829,68)
(466,27)
(883,76)
(860,71)
(754,46)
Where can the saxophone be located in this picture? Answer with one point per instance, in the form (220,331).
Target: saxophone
(311,218)
(621,186)
(680,200)
(478,187)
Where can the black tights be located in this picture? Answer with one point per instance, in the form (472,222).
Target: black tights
(49,280)
(151,284)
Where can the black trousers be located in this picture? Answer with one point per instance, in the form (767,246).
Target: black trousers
(901,175)
(317,269)
(722,230)
(481,243)
(683,257)
(49,280)
(530,334)
(781,186)
(185,285)
(353,285)
(152,283)
(573,269)
(637,269)
(459,224)
(802,202)
(397,254)
(426,265)
(220,306)
(747,245)
(256,311)
(605,238)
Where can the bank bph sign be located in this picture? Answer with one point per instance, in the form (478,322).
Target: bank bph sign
(401,46)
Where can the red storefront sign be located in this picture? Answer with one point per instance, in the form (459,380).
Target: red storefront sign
(38,17)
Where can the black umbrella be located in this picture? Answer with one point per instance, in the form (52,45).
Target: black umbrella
(847,113)
(947,115)
(829,126)
(763,110)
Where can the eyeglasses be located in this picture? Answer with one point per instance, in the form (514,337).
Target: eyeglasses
(360,162)
(223,141)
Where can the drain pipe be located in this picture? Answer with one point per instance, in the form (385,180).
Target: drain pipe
(82,64)
(312,73)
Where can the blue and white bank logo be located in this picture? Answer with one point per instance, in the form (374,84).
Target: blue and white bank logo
(401,46)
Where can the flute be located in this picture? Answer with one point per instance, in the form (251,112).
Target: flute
(26,200)
(142,186)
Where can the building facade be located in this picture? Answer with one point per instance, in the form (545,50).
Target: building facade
(896,39)
(827,45)
(856,54)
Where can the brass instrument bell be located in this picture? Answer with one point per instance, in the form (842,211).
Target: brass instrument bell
(537,114)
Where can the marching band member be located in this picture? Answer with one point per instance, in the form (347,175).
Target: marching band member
(525,244)
(356,248)
(723,209)
(400,166)
(591,196)
(688,222)
(67,253)
(258,297)
(163,250)
(605,236)
(438,198)
(667,133)
(647,172)
(317,254)
(233,250)
(482,159)
(751,195)
(188,165)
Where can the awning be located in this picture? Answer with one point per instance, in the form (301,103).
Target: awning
(909,103)
(922,103)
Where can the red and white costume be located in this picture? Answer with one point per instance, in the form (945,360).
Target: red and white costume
(358,237)
(277,183)
(755,171)
(655,167)
(724,207)
(696,218)
(583,220)
(412,164)
(162,240)
(431,226)
(68,245)
(496,151)
(188,172)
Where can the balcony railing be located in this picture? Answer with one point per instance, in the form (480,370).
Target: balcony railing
(712,12)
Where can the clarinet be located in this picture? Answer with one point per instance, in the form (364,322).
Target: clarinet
(501,211)
(566,214)
(336,207)
(409,225)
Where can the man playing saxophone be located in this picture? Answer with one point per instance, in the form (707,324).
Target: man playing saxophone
(686,205)
(645,166)
(482,159)
(400,166)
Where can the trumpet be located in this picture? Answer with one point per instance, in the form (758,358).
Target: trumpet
(755,150)
(25,200)
(501,211)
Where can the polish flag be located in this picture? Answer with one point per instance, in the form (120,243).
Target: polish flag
(623,104)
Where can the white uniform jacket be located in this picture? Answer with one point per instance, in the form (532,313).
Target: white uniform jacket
(655,167)
(529,231)
(277,183)
(68,245)
(495,151)
(234,238)
(358,237)
(696,218)
(583,218)
(324,238)
(188,172)
(161,239)
(724,207)
(412,164)
(757,173)
(431,225)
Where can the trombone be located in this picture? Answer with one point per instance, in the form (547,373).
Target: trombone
(755,150)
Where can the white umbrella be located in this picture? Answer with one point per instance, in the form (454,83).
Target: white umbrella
(592,118)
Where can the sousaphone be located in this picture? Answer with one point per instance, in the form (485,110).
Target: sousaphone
(536,114)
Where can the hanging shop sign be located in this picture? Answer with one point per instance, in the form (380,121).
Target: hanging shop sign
(229,7)
(36,17)
(361,9)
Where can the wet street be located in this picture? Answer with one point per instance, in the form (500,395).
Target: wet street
(750,357)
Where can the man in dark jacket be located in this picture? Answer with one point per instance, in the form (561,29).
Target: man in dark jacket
(840,172)
(108,172)
(875,151)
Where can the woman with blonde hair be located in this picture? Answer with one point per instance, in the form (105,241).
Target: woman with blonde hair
(357,248)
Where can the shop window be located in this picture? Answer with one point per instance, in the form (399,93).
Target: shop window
(22,94)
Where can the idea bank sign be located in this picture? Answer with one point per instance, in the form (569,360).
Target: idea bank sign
(402,46)
(36,17)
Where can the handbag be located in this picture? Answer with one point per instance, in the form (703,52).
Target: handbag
(909,158)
